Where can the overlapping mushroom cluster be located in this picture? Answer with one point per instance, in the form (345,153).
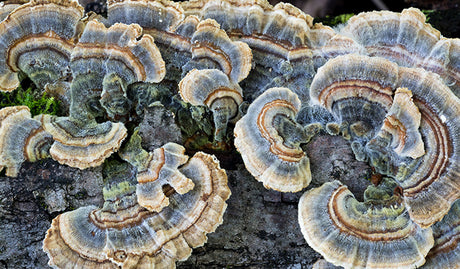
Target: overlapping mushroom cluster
(387,82)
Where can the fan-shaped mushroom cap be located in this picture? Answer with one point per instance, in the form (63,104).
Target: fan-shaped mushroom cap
(354,87)
(233,57)
(37,38)
(212,88)
(106,60)
(401,125)
(268,139)
(163,19)
(122,233)
(82,146)
(446,250)
(120,49)
(21,139)
(406,39)
(353,234)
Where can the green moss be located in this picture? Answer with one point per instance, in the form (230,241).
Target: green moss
(333,21)
(37,102)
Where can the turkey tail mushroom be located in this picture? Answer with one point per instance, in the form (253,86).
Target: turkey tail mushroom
(21,139)
(353,234)
(37,38)
(361,88)
(269,139)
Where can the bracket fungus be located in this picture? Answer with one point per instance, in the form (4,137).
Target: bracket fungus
(401,124)
(82,146)
(37,38)
(361,88)
(157,172)
(268,139)
(123,233)
(406,39)
(353,234)
(21,139)
(106,60)
(212,88)
(446,250)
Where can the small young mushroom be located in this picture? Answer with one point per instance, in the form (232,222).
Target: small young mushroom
(269,138)
(124,234)
(21,139)
(446,250)
(212,88)
(157,172)
(354,234)
(37,38)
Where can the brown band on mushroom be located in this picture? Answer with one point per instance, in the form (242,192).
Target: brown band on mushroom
(371,79)
(401,125)
(212,88)
(120,43)
(82,146)
(430,182)
(353,234)
(126,234)
(233,57)
(268,139)
(21,139)
(405,38)
(37,38)
(446,250)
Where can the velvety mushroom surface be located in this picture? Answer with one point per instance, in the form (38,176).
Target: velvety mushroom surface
(361,88)
(123,233)
(388,83)
(268,139)
(37,38)
(22,138)
(353,234)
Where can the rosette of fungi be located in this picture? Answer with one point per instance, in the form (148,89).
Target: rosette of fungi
(22,138)
(124,234)
(269,138)
(356,234)
(446,250)
(361,89)
(103,63)
(405,38)
(286,45)
(157,171)
(212,88)
(186,43)
(37,38)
